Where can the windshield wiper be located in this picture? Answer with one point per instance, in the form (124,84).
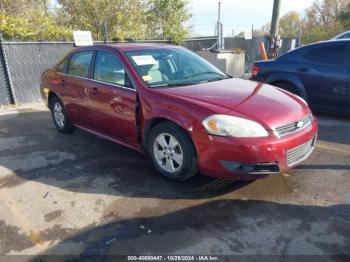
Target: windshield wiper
(204,73)
(160,85)
(216,79)
(172,85)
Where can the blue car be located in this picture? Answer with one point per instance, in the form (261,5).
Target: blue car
(319,73)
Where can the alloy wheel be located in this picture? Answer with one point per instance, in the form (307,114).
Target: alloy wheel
(168,153)
(58,115)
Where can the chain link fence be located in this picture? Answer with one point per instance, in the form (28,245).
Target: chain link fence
(27,61)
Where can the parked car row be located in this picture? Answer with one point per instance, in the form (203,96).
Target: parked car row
(180,110)
(318,73)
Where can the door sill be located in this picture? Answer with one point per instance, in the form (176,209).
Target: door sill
(115,140)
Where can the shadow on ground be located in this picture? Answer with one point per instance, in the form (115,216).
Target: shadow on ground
(82,162)
(221,227)
(31,149)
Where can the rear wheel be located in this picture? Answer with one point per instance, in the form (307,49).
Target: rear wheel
(59,116)
(172,152)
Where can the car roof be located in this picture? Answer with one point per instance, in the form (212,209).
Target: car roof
(297,51)
(328,42)
(128,46)
(322,43)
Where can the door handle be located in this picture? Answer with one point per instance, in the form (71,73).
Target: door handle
(62,83)
(303,69)
(117,99)
(94,90)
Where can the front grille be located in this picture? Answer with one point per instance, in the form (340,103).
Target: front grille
(293,127)
(300,153)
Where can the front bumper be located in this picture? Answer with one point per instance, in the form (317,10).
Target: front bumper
(250,159)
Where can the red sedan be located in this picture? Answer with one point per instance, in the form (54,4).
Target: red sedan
(187,115)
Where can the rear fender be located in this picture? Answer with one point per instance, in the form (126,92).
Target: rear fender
(288,78)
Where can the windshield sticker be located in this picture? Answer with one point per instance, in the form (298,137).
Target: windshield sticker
(147,78)
(144,60)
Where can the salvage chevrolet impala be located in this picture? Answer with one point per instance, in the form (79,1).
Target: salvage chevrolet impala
(187,115)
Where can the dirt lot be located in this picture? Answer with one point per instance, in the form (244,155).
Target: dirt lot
(80,194)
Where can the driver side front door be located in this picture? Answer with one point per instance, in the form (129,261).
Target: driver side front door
(112,99)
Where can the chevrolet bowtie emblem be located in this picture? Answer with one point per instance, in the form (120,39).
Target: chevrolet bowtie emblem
(300,124)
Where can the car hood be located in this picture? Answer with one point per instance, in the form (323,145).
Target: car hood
(268,105)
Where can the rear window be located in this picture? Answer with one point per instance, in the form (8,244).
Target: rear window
(327,55)
(79,64)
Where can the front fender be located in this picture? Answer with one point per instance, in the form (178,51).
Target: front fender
(185,121)
(185,115)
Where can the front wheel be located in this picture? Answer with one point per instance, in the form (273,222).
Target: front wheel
(172,152)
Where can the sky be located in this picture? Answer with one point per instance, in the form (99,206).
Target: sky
(237,15)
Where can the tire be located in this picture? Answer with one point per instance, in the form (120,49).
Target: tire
(172,152)
(59,116)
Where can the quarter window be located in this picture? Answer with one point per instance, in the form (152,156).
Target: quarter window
(79,64)
(108,69)
(346,36)
(328,55)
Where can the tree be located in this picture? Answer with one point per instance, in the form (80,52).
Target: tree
(344,17)
(30,20)
(38,27)
(91,15)
(321,20)
(167,19)
(122,18)
(264,30)
(23,8)
(290,24)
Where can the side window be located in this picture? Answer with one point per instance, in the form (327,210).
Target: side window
(328,55)
(62,66)
(79,64)
(346,36)
(110,70)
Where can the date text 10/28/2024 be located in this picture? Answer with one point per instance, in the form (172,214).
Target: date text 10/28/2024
(173,258)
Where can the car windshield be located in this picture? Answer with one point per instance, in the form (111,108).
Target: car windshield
(171,67)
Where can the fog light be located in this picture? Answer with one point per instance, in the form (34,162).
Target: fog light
(251,168)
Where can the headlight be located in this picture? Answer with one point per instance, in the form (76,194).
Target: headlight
(224,125)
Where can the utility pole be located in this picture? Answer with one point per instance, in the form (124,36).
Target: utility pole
(299,36)
(105,33)
(219,29)
(275,17)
